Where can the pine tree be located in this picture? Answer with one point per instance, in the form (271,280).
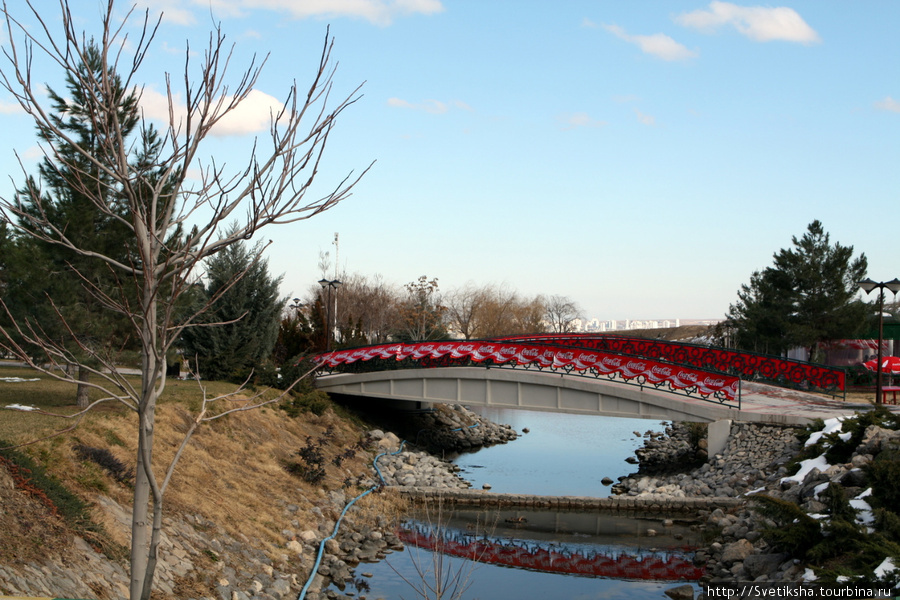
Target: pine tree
(805,298)
(65,300)
(240,330)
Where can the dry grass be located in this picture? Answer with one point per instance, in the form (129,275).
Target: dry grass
(232,473)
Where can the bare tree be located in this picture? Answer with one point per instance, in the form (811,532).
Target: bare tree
(464,309)
(561,313)
(175,223)
(492,310)
(369,309)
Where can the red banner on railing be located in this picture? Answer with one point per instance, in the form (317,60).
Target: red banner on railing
(654,372)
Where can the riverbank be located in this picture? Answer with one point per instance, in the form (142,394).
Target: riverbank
(795,494)
(244,524)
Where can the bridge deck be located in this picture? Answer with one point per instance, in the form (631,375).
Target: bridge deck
(477,386)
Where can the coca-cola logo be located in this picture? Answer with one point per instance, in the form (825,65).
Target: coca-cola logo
(565,355)
(687,376)
(612,361)
(445,348)
(508,351)
(636,365)
(531,352)
(661,370)
(587,357)
(487,349)
(426,348)
(466,347)
(714,382)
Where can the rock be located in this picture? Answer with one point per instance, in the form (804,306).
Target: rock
(295,547)
(682,592)
(606,481)
(758,565)
(737,551)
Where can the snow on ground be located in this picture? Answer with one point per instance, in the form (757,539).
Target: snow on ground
(806,466)
(831,425)
(19,407)
(887,566)
(16,380)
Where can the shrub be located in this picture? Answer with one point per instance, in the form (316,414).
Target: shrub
(794,532)
(883,474)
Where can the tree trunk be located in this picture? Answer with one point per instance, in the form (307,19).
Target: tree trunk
(140,523)
(81,395)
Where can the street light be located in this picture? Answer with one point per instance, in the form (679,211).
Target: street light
(331,285)
(867,285)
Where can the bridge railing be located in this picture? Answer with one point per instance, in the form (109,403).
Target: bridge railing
(723,389)
(766,368)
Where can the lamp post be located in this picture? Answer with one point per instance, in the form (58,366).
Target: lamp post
(867,285)
(330,285)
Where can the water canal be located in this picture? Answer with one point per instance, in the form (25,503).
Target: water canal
(542,554)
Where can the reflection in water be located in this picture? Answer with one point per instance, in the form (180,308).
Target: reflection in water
(611,548)
(599,562)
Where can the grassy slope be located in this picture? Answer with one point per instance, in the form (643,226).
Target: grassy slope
(231,473)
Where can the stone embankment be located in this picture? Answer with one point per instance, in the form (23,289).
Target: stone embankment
(198,560)
(752,462)
(754,457)
(454,428)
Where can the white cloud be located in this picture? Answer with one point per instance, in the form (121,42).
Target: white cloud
(173,11)
(251,116)
(645,119)
(888,104)
(434,107)
(10,108)
(378,12)
(659,44)
(759,23)
(580,119)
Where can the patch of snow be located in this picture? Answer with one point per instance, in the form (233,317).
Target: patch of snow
(809,575)
(756,491)
(808,465)
(19,407)
(887,566)
(842,579)
(819,516)
(864,511)
(831,425)
(820,488)
(17,379)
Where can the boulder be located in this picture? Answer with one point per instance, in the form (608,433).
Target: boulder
(682,592)
(757,565)
(737,551)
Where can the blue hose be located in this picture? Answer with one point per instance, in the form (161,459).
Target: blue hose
(337,525)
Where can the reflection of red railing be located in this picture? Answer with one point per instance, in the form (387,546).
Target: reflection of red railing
(781,371)
(540,355)
(651,566)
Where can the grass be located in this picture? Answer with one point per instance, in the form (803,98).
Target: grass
(232,473)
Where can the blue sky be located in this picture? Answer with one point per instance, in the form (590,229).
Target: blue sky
(641,158)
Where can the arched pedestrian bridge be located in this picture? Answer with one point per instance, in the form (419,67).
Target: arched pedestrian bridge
(590,374)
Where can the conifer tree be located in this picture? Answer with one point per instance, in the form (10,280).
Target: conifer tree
(805,298)
(245,302)
(69,281)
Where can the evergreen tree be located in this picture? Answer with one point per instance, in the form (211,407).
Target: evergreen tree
(239,331)
(806,297)
(65,299)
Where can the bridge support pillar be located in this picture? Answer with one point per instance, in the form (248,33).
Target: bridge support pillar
(717,436)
